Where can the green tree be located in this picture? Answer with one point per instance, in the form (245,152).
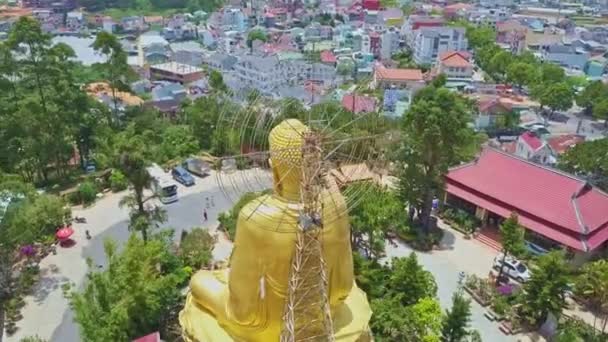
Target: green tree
(456,321)
(577,330)
(521,74)
(480,37)
(253,35)
(590,95)
(512,235)
(115,67)
(411,280)
(588,160)
(484,55)
(378,211)
(216,81)
(393,322)
(423,321)
(551,73)
(600,110)
(196,247)
(371,276)
(43,106)
(545,292)
(435,133)
(132,163)
(592,284)
(556,96)
(178,141)
(499,65)
(133,294)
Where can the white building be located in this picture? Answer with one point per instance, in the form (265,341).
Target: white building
(429,42)
(496,3)
(389,43)
(533,148)
(265,74)
(153,49)
(235,19)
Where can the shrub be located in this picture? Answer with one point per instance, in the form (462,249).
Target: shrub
(501,305)
(32,339)
(195,249)
(118,181)
(87,192)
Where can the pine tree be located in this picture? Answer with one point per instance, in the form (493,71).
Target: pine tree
(456,321)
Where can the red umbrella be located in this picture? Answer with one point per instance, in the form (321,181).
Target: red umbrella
(64,233)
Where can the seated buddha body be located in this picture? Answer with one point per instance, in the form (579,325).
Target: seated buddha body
(247,301)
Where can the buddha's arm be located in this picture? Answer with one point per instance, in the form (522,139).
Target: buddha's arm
(245,274)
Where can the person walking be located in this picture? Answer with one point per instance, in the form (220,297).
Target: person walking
(205,214)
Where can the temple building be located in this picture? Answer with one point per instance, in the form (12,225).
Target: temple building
(557,209)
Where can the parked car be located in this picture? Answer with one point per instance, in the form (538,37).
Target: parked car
(181,175)
(512,267)
(197,167)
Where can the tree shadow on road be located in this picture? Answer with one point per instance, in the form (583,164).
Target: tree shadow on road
(447,241)
(49,281)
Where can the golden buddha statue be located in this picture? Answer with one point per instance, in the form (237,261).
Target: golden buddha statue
(247,301)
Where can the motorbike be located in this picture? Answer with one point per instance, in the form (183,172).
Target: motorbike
(79,219)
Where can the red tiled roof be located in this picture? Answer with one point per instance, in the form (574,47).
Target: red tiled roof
(446,54)
(327,57)
(554,204)
(455,59)
(383,73)
(154,337)
(493,106)
(457,6)
(360,104)
(532,140)
(563,143)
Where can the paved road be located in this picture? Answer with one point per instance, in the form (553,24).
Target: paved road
(46,312)
(457,255)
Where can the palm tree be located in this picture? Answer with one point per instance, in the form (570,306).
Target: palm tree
(132,163)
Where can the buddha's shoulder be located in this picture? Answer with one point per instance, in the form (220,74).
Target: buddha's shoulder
(269,206)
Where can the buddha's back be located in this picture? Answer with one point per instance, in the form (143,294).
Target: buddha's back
(261,260)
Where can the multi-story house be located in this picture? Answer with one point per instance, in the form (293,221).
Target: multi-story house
(431,41)
(530,146)
(496,3)
(235,19)
(265,74)
(416,22)
(511,34)
(221,62)
(361,41)
(567,56)
(74,21)
(153,49)
(488,17)
(385,78)
(456,66)
(133,24)
(390,43)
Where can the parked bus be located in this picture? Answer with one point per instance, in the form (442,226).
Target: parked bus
(162,184)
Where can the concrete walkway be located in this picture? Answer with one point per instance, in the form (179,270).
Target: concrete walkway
(47,313)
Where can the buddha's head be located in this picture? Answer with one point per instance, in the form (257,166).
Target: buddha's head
(286,141)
